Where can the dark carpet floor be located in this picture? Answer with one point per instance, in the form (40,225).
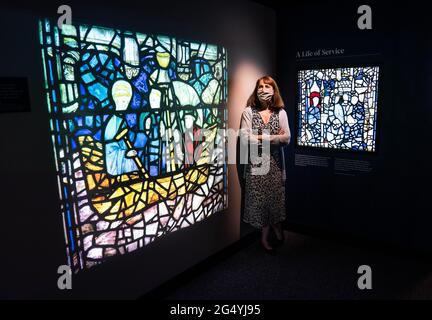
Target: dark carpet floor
(308,268)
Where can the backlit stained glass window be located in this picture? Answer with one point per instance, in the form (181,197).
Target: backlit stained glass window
(121,104)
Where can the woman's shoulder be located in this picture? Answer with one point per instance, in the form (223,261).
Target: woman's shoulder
(281,110)
(282,114)
(247,110)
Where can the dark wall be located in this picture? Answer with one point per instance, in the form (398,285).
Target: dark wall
(387,205)
(32,240)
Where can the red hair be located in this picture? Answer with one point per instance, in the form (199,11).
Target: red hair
(277,102)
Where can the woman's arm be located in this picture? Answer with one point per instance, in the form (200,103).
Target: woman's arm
(285,137)
(246,134)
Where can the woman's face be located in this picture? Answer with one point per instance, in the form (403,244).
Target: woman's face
(265,92)
(265,87)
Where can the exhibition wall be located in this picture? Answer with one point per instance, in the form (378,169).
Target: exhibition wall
(36,237)
(373,189)
(375,195)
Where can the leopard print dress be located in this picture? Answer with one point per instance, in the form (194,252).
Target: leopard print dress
(265,193)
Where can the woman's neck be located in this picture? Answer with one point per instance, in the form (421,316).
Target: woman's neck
(265,106)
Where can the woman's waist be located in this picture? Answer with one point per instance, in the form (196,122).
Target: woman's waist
(271,147)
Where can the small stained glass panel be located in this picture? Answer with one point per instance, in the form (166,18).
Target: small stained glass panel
(337,108)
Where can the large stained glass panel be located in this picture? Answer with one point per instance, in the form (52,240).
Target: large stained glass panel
(137,125)
(337,108)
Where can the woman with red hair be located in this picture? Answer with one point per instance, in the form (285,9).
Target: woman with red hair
(264,120)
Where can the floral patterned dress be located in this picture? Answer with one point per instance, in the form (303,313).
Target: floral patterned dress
(265,193)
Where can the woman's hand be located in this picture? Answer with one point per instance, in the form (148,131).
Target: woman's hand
(258,137)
